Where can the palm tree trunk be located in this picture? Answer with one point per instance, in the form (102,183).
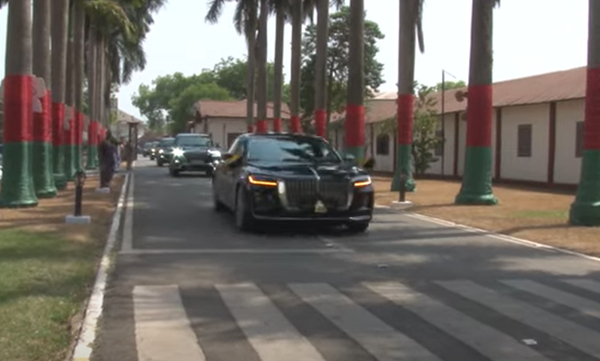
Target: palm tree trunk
(295,71)
(92,61)
(355,110)
(321,68)
(261,96)
(405,102)
(477,180)
(79,35)
(278,76)
(251,74)
(69,131)
(60,18)
(43,178)
(585,211)
(17,187)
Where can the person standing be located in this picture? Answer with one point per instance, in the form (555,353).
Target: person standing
(106,155)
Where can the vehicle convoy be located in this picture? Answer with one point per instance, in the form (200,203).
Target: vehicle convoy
(291,177)
(164,150)
(193,153)
(150,149)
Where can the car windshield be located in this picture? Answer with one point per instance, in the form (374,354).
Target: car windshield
(301,149)
(194,141)
(166,143)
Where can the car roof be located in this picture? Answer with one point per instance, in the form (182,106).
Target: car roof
(280,136)
(167,138)
(192,135)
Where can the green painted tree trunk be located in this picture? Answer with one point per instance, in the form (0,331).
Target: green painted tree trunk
(43,178)
(295,126)
(17,185)
(355,110)
(405,102)
(250,33)
(321,68)
(477,180)
(585,211)
(60,19)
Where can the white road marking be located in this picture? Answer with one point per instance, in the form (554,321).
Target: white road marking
(490,342)
(584,305)
(578,336)
(233,251)
(162,329)
(379,339)
(272,336)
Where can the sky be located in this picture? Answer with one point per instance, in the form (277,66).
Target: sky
(530,37)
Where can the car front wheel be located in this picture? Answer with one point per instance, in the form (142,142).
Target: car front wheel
(358,227)
(243,217)
(173,172)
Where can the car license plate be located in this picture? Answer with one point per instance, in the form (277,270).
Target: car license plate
(320,207)
(196,162)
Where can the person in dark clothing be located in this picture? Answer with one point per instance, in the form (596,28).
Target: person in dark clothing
(106,155)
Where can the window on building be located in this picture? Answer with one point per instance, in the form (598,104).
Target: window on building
(524,140)
(382,147)
(439,149)
(579,140)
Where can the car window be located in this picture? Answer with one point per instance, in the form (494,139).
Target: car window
(301,149)
(194,141)
(236,147)
(166,143)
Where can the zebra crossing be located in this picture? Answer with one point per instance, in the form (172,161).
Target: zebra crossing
(440,320)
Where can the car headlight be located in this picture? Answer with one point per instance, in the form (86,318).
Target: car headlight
(215,153)
(362,182)
(177,152)
(262,181)
(161,151)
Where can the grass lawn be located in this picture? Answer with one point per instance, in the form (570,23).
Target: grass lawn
(46,271)
(539,215)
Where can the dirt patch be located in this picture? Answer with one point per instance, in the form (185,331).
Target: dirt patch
(47,269)
(534,214)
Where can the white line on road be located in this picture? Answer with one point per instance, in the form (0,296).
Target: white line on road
(233,251)
(162,328)
(273,337)
(488,341)
(83,348)
(127,243)
(578,336)
(379,339)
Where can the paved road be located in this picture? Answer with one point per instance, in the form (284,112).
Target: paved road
(187,287)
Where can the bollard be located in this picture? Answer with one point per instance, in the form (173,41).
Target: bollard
(77,218)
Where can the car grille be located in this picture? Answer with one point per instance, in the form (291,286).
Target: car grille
(196,156)
(302,194)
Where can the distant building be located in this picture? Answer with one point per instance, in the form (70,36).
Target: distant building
(537,130)
(226,120)
(120,128)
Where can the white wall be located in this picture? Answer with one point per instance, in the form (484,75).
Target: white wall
(219,128)
(534,168)
(567,166)
(448,160)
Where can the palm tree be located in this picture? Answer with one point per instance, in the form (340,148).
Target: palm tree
(281,9)
(69,131)
(17,188)
(411,12)
(245,22)
(297,17)
(355,111)
(477,180)
(261,96)
(60,19)
(43,178)
(321,67)
(79,56)
(585,211)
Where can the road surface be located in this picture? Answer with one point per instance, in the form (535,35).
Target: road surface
(188,287)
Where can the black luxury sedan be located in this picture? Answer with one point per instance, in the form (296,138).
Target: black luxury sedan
(195,153)
(291,177)
(163,151)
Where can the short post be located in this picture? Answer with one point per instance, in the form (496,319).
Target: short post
(402,186)
(128,147)
(77,218)
(402,203)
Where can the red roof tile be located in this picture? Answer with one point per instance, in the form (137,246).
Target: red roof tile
(233,109)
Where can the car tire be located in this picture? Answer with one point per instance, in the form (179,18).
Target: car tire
(159,163)
(173,172)
(243,217)
(357,227)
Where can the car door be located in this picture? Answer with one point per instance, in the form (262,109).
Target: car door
(231,171)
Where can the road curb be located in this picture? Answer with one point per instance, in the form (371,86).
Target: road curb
(93,310)
(495,235)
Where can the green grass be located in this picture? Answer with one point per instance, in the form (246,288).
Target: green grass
(542,214)
(43,283)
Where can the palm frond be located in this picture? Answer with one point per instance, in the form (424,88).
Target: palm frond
(215,10)
(419,24)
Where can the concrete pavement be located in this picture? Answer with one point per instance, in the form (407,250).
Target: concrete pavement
(187,286)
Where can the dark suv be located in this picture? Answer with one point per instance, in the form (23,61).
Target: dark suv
(163,151)
(193,152)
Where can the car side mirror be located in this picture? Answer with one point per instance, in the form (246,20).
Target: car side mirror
(226,156)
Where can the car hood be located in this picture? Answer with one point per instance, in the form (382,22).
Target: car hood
(324,170)
(193,149)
